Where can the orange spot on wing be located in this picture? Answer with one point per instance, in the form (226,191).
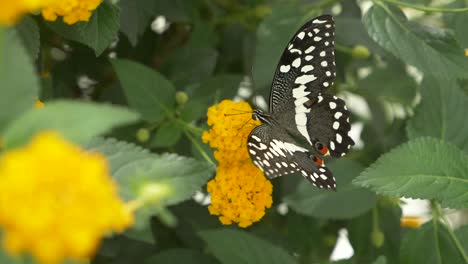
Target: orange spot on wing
(319,162)
(324,150)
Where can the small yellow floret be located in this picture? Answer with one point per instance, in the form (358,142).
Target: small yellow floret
(72,11)
(411,222)
(57,201)
(38,104)
(11,11)
(240,192)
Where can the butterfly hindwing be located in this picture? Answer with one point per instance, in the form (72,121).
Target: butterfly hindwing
(276,154)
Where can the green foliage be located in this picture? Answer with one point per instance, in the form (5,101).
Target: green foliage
(438,166)
(139,94)
(231,246)
(349,201)
(147,91)
(436,241)
(438,114)
(434,51)
(67,118)
(98,33)
(20,86)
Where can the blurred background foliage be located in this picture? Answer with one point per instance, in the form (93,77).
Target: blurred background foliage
(402,70)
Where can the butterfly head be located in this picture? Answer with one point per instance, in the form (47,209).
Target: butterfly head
(260,116)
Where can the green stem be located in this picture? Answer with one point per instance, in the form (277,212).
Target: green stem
(452,234)
(426,8)
(435,222)
(199,148)
(343,49)
(196,130)
(375,220)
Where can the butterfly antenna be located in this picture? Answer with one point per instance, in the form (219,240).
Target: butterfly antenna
(239,130)
(237,114)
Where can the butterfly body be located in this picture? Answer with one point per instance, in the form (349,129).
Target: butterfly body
(300,108)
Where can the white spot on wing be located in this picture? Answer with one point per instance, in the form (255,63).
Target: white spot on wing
(317,39)
(336,125)
(339,139)
(285,68)
(324,63)
(318,21)
(332,145)
(309,57)
(296,63)
(309,50)
(332,105)
(305,79)
(301,35)
(307,68)
(338,115)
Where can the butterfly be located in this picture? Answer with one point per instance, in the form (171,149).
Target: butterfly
(300,108)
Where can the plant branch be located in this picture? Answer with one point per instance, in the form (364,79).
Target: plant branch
(454,238)
(198,147)
(426,8)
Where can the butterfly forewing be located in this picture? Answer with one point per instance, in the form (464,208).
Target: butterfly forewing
(307,65)
(276,154)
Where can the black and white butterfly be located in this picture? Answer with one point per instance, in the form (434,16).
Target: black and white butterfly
(300,108)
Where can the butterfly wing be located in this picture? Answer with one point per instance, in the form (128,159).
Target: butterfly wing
(297,99)
(276,154)
(307,62)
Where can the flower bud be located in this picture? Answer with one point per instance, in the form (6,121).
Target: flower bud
(143,135)
(181,98)
(360,52)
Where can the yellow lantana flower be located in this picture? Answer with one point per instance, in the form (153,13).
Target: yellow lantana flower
(240,192)
(38,103)
(72,11)
(411,222)
(57,201)
(11,11)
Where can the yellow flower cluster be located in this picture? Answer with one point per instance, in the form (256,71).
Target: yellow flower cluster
(57,201)
(11,11)
(72,10)
(240,192)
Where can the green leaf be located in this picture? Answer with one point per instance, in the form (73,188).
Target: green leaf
(118,153)
(191,64)
(233,247)
(20,85)
(216,88)
(347,202)
(182,176)
(180,256)
(29,33)
(5,258)
(390,84)
(429,244)
(135,17)
(424,168)
(166,136)
(386,216)
(273,35)
(439,113)
(76,121)
(462,236)
(146,90)
(97,33)
(380,260)
(433,51)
